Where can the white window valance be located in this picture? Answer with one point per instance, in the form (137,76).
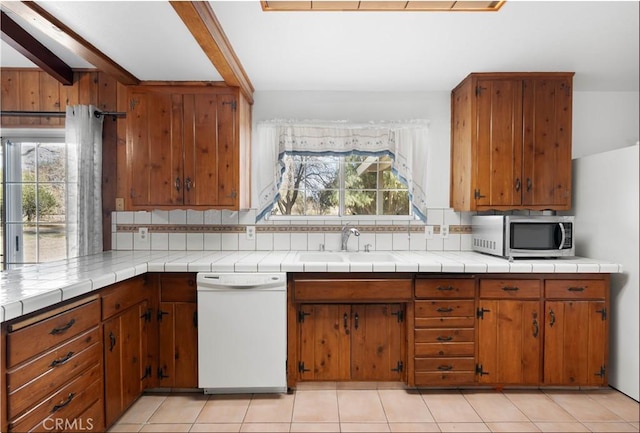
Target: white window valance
(404,142)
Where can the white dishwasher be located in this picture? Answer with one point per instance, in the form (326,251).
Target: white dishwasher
(242,332)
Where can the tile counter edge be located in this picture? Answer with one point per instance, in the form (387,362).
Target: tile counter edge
(34,287)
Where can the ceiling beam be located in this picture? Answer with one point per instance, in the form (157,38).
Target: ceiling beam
(33,50)
(58,31)
(205,28)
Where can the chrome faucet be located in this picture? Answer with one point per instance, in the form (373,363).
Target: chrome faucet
(346,232)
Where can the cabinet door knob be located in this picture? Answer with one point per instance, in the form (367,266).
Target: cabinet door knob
(529,184)
(188,184)
(552,318)
(518,184)
(177,184)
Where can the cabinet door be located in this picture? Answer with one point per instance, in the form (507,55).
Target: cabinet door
(178,345)
(325,351)
(211,150)
(575,343)
(547,143)
(154,148)
(499,142)
(509,334)
(125,352)
(377,342)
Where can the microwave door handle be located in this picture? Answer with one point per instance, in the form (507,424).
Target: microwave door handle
(563,235)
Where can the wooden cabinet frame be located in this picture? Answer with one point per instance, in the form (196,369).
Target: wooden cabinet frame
(511,141)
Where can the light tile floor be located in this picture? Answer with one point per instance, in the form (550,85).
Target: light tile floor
(333,408)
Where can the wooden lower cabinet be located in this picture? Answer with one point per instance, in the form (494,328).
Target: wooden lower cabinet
(509,331)
(509,342)
(576,333)
(129,350)
(125,343)
(178,332)
(360,342)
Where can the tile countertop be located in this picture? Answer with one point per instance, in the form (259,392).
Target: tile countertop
(31,288)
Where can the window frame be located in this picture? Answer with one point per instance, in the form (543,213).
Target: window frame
(342,202)
(25,135)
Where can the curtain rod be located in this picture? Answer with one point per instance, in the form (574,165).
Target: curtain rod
(113,114)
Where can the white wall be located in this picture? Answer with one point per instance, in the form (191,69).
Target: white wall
(604,121)
(605,202)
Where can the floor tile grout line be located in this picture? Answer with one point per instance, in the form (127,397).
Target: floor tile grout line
(550,400)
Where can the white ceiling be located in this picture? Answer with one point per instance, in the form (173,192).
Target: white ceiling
(368,51)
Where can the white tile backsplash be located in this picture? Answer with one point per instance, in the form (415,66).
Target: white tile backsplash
(142,217)
(159,217)
(230,217)
(160,241)
(264,241)
(195,241)
(213,216)
(177,241)
(229,241)
(299,241)
(195,217)
(212,241)
(281,241)
(382,241)
(177,216)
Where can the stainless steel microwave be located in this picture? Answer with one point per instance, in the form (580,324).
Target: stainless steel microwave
(514,236)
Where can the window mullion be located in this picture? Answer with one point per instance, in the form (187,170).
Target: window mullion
(379,205)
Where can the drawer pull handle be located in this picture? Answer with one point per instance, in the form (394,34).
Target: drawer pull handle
(445,367)
(445,288)
(112,341)
(552,318)
(57,407)
(444,310)
(56,331)
(57,362)
(576,289)
(446,338)
(510,289)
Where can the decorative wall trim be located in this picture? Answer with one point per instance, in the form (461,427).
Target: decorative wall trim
(273,228)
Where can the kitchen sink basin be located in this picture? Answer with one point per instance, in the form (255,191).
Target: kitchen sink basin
(356,257)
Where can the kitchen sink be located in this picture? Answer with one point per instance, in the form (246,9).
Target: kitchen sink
(356,257)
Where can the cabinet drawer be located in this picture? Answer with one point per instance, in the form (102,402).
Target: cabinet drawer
(445,322)
(575,289)
(34,380)
(67,403)
(445,378)
(444,349)
(510,289)
(454,308)
(41,336)
(445,288)
(353,290)
(445,364)
(444,335)
(123,295)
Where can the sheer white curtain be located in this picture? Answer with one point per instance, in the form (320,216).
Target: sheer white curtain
(405,142)
(83,134)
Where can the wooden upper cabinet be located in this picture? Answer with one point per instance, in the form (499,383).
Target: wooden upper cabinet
(185,147)
(511,142)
